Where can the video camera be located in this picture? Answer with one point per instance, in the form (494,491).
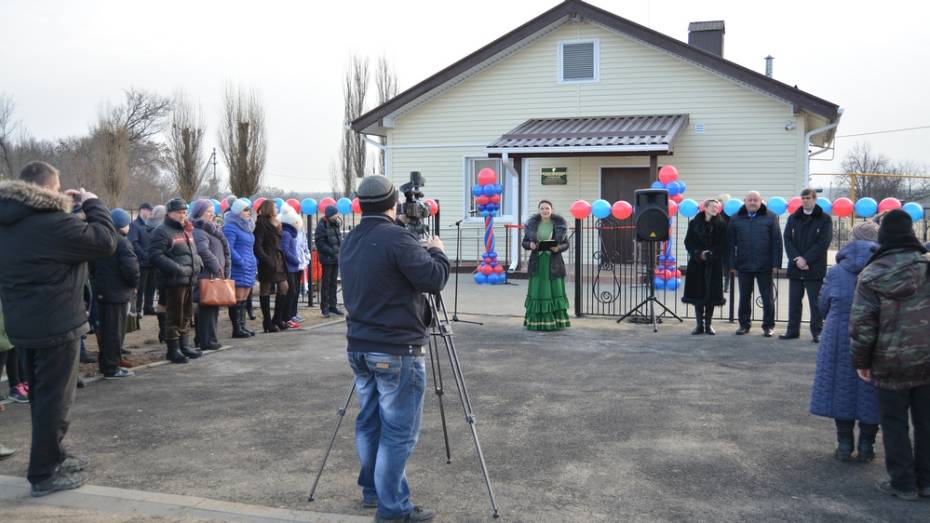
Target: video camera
(416,212)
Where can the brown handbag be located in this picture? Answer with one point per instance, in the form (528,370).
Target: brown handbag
(217,292)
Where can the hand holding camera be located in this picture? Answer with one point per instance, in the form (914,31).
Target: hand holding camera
(435,242)
(79,196)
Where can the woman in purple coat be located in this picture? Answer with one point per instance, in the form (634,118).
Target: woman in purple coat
(837,391)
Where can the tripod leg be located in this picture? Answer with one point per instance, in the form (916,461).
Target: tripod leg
(434,363)
(342,413)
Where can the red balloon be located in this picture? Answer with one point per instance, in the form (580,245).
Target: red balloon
(482,200)
(224,204)
(356,206)
(794,204)
(672,208)
(496,198)
(324,203)
(581,209)
(668,174)
(499,269)
(678,198)
(488,261)
(676,273)
(485,269)
(294,204)
(621,210)
(843,207)
(668,275)
(257,203)
(487,176)
(889,204)
(433,206)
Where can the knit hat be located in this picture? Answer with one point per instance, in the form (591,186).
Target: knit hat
(238,206)
(231,199)
(331,211)
(376,194)
(176,204)
(897,227)
(867,231)
(157,217)
(120,218)
(146,206)
(200,207)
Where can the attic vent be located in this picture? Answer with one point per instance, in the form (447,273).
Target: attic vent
(578,61)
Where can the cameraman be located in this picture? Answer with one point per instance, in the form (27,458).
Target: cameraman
(385,272)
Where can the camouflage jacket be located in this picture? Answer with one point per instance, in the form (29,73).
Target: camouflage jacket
(890,320)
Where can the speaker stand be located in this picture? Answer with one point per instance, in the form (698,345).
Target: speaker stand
(650,303)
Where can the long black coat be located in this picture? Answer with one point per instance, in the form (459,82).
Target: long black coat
(559,234)
(115,277)
(327,239)
(271,267)
(174,253)
(808,236)
(43,253)
(704,279)
(754,242)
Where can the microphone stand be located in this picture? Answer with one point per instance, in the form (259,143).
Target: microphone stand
(458,258)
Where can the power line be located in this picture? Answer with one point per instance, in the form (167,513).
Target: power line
(885,131)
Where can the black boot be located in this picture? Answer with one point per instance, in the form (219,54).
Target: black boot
(866,445)
(280,305)
(248,307)
(161,326)
(267,324)
(174,352)
(844,440)
(242,316)
(235,316)
(708,316)
(699,316)
(187,349)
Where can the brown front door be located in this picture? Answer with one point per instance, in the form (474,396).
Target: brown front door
(619,183)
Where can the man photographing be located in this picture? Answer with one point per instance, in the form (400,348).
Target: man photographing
(385,272)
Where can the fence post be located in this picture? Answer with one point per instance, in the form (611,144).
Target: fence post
(310,266)
(578,270)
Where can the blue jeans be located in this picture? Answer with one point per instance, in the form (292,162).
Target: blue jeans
(390,396)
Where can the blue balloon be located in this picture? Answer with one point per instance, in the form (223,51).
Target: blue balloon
(480,278)
(485,214)
(498,189)
(681,186)
(217,208)
(672,284)
(600,209)
(308,206)
(777,205)
(658,185)
(344,206)
(674,188)
(825,204)
(915,210)
(732,206)
(659,283)
(490,190)
(477,190)
(491,254)
(866,207)
(493,279)
(671,259)
(278,202)
(688,208)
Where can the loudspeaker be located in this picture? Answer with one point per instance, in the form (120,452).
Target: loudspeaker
(650,213)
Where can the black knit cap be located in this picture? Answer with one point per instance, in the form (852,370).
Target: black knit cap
(376,194)
(176,204)
(897,226)
(146,206)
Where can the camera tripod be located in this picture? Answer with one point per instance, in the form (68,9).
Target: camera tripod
(651,301)
(440,333)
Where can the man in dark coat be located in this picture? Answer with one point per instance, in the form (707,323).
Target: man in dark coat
(754,238)
(42,274)
(328,239)
(174,254)
(115,278)
(808,234)
(385,272)
(140,235)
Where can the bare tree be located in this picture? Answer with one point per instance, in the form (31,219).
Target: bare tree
(243,142)
(861,159)
(143,114)
(185,146)
(335,180)
(354,91)
(7,128)
(111,158)
(386,84)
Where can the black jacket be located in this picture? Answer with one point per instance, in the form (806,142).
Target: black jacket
(115,277)
(385,272)
(174,254)
(140,235)
(559,234)
(808,236)
(271,267)
(328,238)
(704,278)
(754,242)
(43,253)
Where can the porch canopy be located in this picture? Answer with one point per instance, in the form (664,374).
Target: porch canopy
(650,135)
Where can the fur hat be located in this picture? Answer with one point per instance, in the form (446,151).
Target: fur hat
(865,231)
(376,194)
(120,218)
(176,204)
(238,206)
(897,227)
(290,216)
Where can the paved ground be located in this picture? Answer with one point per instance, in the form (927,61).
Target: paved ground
(602,422)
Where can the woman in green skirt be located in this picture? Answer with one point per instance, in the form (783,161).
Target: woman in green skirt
(546,235)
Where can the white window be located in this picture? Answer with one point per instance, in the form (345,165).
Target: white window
(472,167)
(579,61)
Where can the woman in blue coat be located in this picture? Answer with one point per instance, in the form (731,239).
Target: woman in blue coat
(238,226)
(837,391)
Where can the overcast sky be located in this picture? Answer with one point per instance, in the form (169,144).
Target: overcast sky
(62,61)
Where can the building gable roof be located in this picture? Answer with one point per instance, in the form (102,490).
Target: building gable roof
(578,9)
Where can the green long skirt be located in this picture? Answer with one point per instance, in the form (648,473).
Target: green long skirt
(546,303)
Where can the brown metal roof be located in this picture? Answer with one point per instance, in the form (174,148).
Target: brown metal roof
(654,133)
(577,8)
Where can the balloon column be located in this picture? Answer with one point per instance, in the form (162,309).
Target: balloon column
(487,195)
(667,275)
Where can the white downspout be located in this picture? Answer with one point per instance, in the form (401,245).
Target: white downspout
(514,233)
(807,143)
